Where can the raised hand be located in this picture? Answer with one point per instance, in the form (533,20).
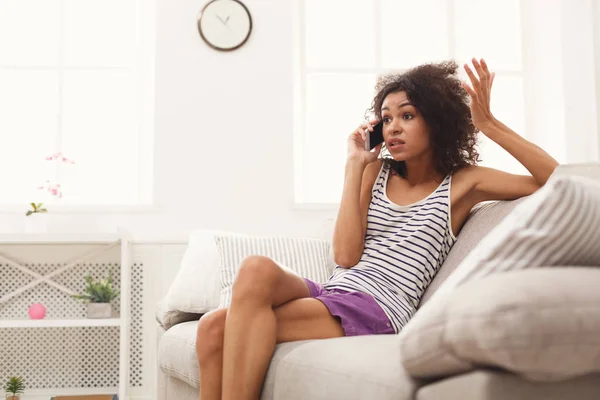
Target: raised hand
(479,91)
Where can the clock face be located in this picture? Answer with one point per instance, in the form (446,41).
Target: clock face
(225,24)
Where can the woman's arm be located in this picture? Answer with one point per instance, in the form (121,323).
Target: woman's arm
(489,183)
(351,224)
(539,163)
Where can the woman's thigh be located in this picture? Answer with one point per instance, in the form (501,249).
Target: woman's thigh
(306,318)
(262,278)
(301,319)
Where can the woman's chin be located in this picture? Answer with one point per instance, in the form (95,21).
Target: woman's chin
(399,156)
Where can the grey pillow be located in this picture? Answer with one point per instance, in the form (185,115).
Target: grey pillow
(543,324)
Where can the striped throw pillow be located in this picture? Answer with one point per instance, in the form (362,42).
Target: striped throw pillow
(306,257)
(559,225)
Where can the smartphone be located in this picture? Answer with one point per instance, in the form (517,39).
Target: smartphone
(374,137)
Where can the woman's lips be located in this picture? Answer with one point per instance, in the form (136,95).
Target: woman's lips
(396,145)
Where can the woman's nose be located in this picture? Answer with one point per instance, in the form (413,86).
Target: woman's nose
(394,128)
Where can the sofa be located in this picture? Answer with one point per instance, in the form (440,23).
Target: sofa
(544,313)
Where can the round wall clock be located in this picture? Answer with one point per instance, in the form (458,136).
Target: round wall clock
(225,25)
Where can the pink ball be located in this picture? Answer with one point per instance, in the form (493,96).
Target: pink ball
(37,311)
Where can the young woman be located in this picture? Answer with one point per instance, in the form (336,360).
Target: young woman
(397,222)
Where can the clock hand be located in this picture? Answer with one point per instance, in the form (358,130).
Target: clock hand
(224,22)
(227,20)
(221,19)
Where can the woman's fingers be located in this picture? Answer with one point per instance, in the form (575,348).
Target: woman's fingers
(484,66)
(363,133)
(471,92)
(481,85)
(472,78)
(484,76)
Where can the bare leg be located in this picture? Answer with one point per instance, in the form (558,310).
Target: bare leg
(209,349)
(300,319)
(251,324)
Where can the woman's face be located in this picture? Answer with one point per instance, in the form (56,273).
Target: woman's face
(405,131)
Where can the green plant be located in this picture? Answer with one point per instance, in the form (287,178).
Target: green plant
(14,386)
(97,292)
(36,208)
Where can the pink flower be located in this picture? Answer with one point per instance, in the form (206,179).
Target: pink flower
(53,188)
(58,156)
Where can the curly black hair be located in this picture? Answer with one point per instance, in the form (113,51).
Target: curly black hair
(436,91)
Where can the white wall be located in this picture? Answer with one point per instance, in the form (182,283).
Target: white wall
(560,78)
(596,8)
(224,124)
(223,133)
(223,128)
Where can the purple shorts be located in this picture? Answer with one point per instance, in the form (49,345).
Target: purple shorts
(358,312)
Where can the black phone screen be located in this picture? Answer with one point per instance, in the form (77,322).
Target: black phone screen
(376,136)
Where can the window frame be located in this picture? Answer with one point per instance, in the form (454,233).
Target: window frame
(301,71)
(143,68)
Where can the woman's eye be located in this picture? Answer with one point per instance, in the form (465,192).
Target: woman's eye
(386,119)
(407,116)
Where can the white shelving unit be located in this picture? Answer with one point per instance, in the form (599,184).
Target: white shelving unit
(103,242)
(59,323)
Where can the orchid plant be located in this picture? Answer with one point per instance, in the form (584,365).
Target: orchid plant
(52,188)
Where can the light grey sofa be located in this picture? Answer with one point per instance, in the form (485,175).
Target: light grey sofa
(369,367)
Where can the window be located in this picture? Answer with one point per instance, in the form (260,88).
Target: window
(76,78)
(343,46)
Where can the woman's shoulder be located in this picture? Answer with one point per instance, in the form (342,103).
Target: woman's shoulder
(371,173)
(463,183)
(465,175)
(372,169)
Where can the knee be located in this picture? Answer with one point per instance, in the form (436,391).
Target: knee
(255,278)
(210,334)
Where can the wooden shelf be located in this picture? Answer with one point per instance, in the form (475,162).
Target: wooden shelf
(58,323)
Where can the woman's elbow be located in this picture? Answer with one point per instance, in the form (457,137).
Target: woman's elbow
(345,260)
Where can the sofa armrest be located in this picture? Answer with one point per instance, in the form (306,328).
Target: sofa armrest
(167,317)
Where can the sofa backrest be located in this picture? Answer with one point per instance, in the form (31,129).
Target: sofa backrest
(486,216)
(482,219)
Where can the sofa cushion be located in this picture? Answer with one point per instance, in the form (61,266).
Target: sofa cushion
(177,353)
(306,257)
(482,219)
(485,216)
(541,323)
(195,288)
(359,367)
(349,368)
(498,385)
(557,225)
(168,317)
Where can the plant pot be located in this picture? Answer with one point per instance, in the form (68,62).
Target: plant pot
(13,398)
(36,223)
(99,310)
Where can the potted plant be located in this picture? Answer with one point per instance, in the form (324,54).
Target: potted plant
(98,296)
(37,218)
(14,387)
(37,215)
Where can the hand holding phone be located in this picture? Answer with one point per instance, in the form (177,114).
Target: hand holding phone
(374,137)
(362,140)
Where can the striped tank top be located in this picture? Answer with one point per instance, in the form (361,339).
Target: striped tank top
(404,248)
